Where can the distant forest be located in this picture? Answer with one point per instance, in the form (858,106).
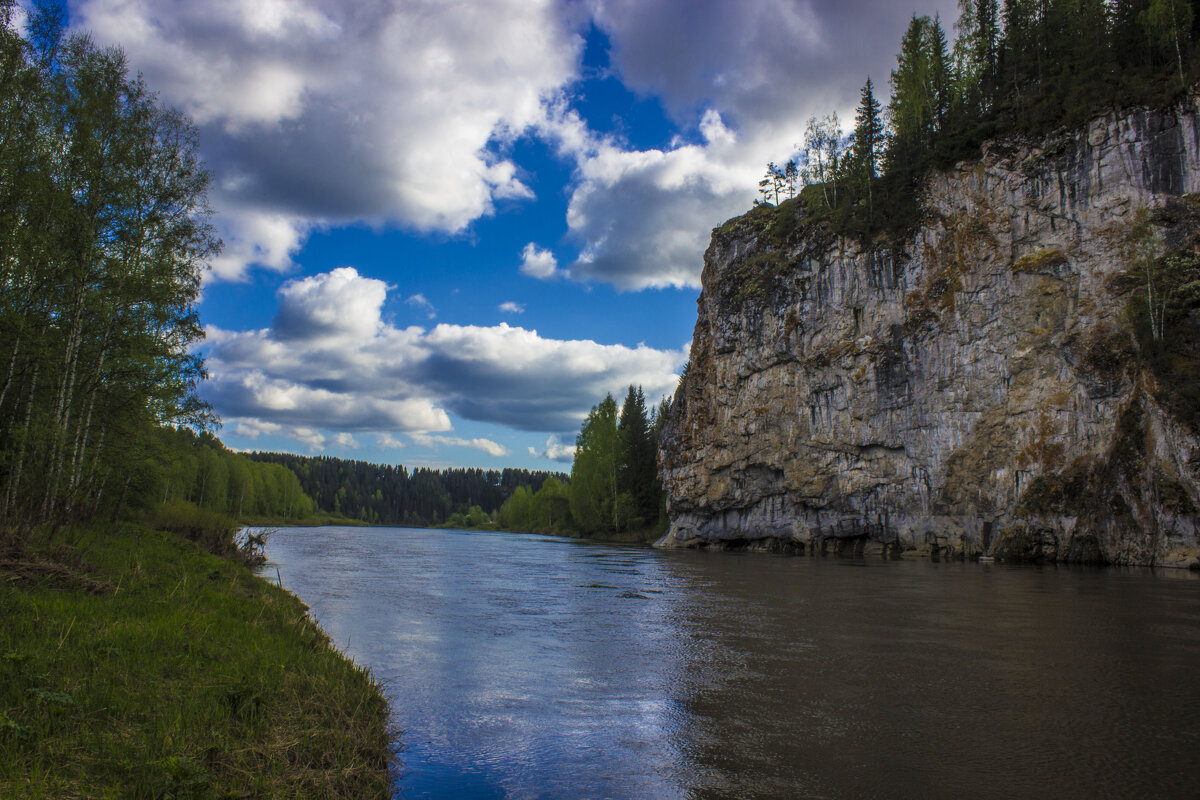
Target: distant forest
(392,495)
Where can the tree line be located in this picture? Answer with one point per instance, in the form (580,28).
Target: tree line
(393,495)
(614,484)
(104,233)
(1020,67)
(196,468)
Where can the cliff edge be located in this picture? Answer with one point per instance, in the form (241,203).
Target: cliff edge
(982,388)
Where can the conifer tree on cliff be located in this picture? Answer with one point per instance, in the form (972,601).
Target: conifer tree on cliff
(868,140)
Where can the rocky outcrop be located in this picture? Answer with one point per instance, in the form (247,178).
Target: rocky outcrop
(976,389)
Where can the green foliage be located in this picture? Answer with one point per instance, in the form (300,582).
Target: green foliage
(103,235)
(138,666)
(594,472)
(1163,289)
(548,510)
(1052,64)
(614,480)
(388,494)
(473,518)
(637,474)
(1036,262)
(1168,24)
(184,467)
(823,151)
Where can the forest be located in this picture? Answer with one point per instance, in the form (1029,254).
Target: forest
(614,487)
(1016,69)
(389,494)
(104,237)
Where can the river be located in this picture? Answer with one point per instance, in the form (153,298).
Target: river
(523,666)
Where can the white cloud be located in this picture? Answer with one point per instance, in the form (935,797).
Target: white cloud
(345,440)
(256,237)
(486,445)
(643,217)
(555,450)
(509,307)
(388,442)
(421,303)
(745,77)
(340,304)
(310,436)
(317,369)
(252,428)
(316,113)
(538,263)
(322,111)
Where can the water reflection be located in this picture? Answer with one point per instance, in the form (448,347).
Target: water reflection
(531,667)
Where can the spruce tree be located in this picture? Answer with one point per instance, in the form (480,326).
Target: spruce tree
(868,140)
(638,470)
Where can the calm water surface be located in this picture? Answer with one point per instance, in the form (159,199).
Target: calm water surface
(533,667)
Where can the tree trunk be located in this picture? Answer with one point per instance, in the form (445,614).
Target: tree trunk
(12,363)
(14,479)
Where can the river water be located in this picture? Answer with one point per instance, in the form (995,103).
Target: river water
(523,666)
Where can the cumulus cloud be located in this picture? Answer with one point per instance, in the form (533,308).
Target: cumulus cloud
(345,440)
(766,62)
(252,428)
(321,111)
(486,445)
(251,236)
(642,218)
(513,376)
(388,442)
(337,304)
(745,77)
(555,450)
(509,307)
(316,113)
(538,263)
(316,368)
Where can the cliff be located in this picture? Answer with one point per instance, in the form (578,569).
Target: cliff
(981,388)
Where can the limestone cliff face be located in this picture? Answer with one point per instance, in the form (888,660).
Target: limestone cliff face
(979,388)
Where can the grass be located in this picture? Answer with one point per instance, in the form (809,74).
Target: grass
(135,665)
(314,520)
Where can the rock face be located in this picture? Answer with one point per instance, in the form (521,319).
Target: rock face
(977,389)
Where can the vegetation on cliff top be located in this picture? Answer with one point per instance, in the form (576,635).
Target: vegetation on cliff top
(1021,68)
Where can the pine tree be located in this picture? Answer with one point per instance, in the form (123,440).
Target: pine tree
(940,79)
(868,140)
(638,468)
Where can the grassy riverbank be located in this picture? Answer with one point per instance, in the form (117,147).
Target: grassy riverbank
(135,665)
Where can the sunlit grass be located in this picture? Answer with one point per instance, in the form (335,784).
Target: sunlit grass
(150,669)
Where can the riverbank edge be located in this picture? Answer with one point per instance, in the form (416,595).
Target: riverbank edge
(134,664)
(1181,557)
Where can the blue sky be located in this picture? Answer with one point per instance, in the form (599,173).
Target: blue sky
(451,227)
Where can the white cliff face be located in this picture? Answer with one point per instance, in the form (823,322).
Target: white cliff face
(981,390)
